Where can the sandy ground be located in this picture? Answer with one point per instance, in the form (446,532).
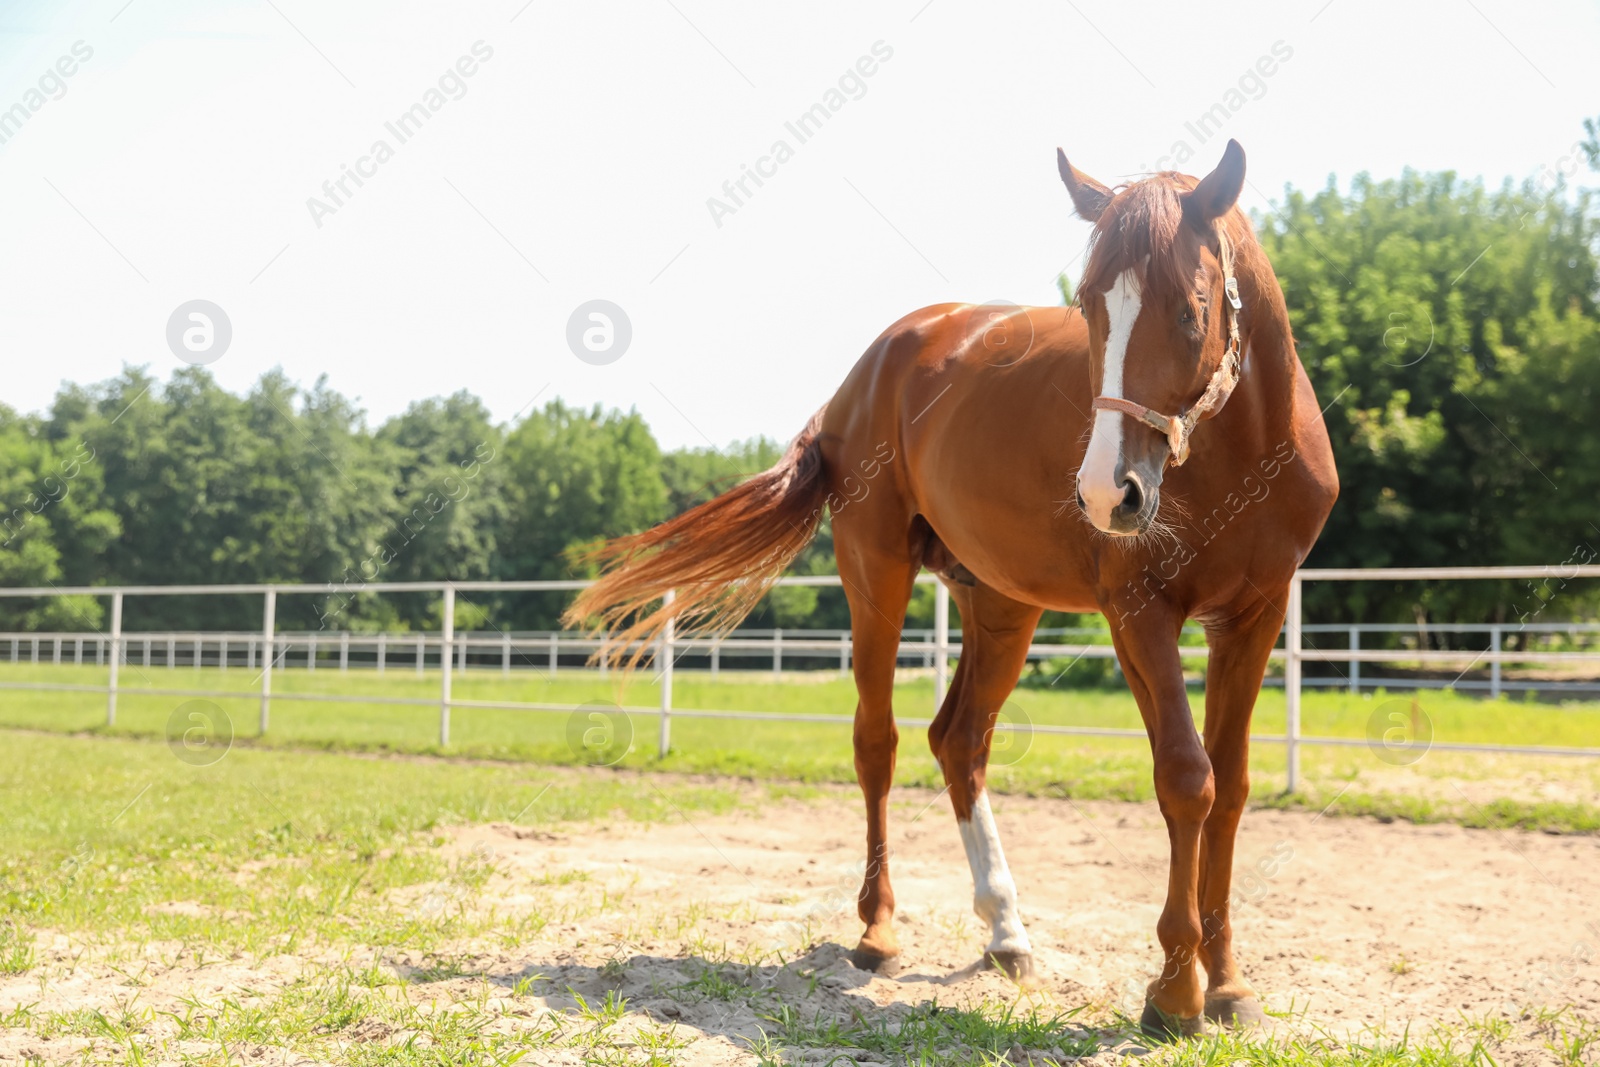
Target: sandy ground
(1358,922)
(1352,923)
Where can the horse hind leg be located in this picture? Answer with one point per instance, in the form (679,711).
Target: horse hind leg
(878,591)
(995,634)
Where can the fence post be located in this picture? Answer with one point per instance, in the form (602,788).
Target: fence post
(666,653)
(344,651)
(446,648)
(716,656)
(1291,684)
(777,652)
(1494,666)
(422,653)
(116,655)
(941,643)
(269,623)
(383,648)
(1355,664)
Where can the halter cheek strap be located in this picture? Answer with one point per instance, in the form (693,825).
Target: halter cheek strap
(1179,428)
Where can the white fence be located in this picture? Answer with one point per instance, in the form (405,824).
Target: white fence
(452,652)
(542,650)
(549,650)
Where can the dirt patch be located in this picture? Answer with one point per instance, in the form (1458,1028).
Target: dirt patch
(1349,920)
(709,927)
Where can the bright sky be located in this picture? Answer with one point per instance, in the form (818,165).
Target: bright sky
(575,163)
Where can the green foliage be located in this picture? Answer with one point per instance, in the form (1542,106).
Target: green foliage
(1081,672)
(282,484)
(1452,332)
(695,475)
(52,509)
(450,453)
(572,477)
(575,476)
(136,481)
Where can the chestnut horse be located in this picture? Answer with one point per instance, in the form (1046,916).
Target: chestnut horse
(1030,475)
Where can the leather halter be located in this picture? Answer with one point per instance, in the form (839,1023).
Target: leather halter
(1179,428)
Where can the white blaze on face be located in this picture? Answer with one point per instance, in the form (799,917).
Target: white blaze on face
(1097,478)
(994,894)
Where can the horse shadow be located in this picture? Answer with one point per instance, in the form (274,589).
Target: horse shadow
(817,1001)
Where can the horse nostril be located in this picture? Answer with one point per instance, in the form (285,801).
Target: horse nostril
(1081,505)
(1132,496)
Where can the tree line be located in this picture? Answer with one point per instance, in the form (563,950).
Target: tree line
(1451,329)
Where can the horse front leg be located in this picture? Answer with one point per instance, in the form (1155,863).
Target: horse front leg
(1147,645)
(1239,653)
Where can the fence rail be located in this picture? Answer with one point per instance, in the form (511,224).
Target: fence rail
(268,650)
(548,651)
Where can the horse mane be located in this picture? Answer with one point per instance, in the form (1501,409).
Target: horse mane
(1139,230)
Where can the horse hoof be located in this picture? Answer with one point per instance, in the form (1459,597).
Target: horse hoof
(864,959)
(1235,1013)
(1017,966)
(1164,1027)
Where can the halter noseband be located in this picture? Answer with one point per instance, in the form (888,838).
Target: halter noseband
(1179,428)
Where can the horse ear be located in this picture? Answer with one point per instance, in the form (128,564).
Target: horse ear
(1218,191)
(1088,195)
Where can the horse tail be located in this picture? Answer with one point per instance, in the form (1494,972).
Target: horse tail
(718,559)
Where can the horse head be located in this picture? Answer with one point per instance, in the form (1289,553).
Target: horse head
(1161,302)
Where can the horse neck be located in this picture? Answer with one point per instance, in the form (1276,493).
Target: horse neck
(1271,367)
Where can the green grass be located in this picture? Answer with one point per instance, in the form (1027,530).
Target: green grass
(1551,793)
(97,832)
(290,853)
(931,1033)
(986,1035)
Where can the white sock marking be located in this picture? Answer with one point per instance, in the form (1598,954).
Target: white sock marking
(1097,478)
(994,894)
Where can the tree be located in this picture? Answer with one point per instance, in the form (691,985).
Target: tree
(695,475)
(281,485)
(52,509)
(571,477)
(449,508)
(1451,332)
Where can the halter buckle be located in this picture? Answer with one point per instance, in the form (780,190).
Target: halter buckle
(1231,287)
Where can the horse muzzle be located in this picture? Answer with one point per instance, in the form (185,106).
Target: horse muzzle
(1128,515)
